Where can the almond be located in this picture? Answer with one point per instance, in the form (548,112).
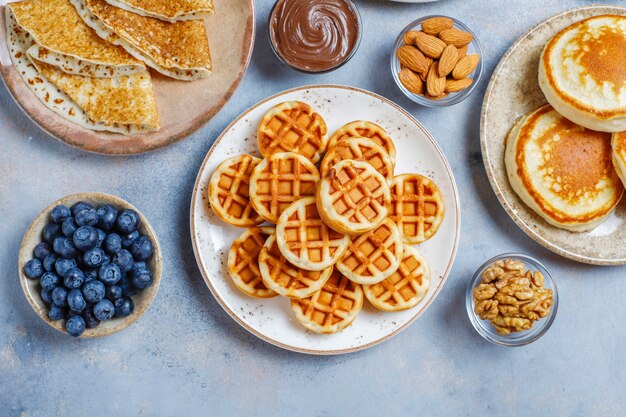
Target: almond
(429,62)
(411,81)
(465,66)
(435,85)
(429,45)
(453,86)
(412,58)
(449,57)
(409,37)
(434,25)
(462,51)
(455,37)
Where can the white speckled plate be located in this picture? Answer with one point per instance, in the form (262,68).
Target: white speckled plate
(514,91)
(272,319)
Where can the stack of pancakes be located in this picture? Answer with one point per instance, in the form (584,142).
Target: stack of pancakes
(565,159)
(87,60)
(342,232)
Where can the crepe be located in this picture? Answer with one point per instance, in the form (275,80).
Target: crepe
(123,104)
(76,49)
(170,11)
(179,50)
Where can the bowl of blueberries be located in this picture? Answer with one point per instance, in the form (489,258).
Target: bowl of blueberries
(90,264)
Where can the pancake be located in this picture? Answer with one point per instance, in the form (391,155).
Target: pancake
(618,144)
(582,74)
(562,171)
(179,50)
(75,50)
(170,11)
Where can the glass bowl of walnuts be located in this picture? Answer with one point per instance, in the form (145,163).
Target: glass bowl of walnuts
(512,300)
(437,61)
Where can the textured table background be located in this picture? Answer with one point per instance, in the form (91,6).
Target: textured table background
(186,356)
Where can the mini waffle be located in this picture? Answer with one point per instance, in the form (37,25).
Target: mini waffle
(332,308)
(416,207)
(359,149)
(373,256)
(405,288)
(369,130)
(293,126)
(243,264)
(279,180)
(305,240)
(285,278)
(353,197)
(228,191)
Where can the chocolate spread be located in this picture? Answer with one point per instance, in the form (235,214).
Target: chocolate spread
(314,35)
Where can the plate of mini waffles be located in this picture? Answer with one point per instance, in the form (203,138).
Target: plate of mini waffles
(325,219)
(553,134)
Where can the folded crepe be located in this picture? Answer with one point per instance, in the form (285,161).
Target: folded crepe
(179,50)
(123,104)
(169,10)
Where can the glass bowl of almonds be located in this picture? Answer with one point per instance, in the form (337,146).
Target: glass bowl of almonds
(512,300)
(437,61)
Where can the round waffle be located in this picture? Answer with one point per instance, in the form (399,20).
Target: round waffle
(373,256)
(305,240)
(279,180)
(285,278)
(228,191)
(405,288)
(293,126)
(332,308)
(369,130)
(243,262)
(353,197)
(416,207)
(359,149)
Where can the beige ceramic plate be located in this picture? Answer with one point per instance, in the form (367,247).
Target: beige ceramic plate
(272,319)
(30,287)
(183,106)
(513,92)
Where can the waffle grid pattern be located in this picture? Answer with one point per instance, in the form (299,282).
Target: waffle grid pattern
(369,130)
(359,149)
(243,265)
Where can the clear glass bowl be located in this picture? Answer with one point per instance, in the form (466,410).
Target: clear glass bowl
(484,327)
(453,98)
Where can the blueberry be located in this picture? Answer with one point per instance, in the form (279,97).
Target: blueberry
(63,266)
(91,274)
(80,206)
(113,243)
(60,213)
(107,215)
(93,291)
(46,296)
(76,301)
(48,262)
(59,296)
(94,258)
(124,260)
(65,247)
(127,240)
(56,313)
(124,307)
(104,310)
(110,273)
(74,278)
(90,319)
(101,236)
(113,292)
(138,265)
(128,221)
(42,250)
(85,238)
(87,217)
(75,326)
(33,269)
(49,281)
(105,259)
(142,248)
(69,226)
(127,287)
(141,278)
(50,232)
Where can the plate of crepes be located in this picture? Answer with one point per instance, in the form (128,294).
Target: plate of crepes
(123,76)
(325,219)
(553,134)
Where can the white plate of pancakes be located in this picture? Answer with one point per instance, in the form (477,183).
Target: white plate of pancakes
(319,310)
(564,171)
(119,79)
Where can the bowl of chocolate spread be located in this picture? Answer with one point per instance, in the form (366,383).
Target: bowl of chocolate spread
(314,36)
